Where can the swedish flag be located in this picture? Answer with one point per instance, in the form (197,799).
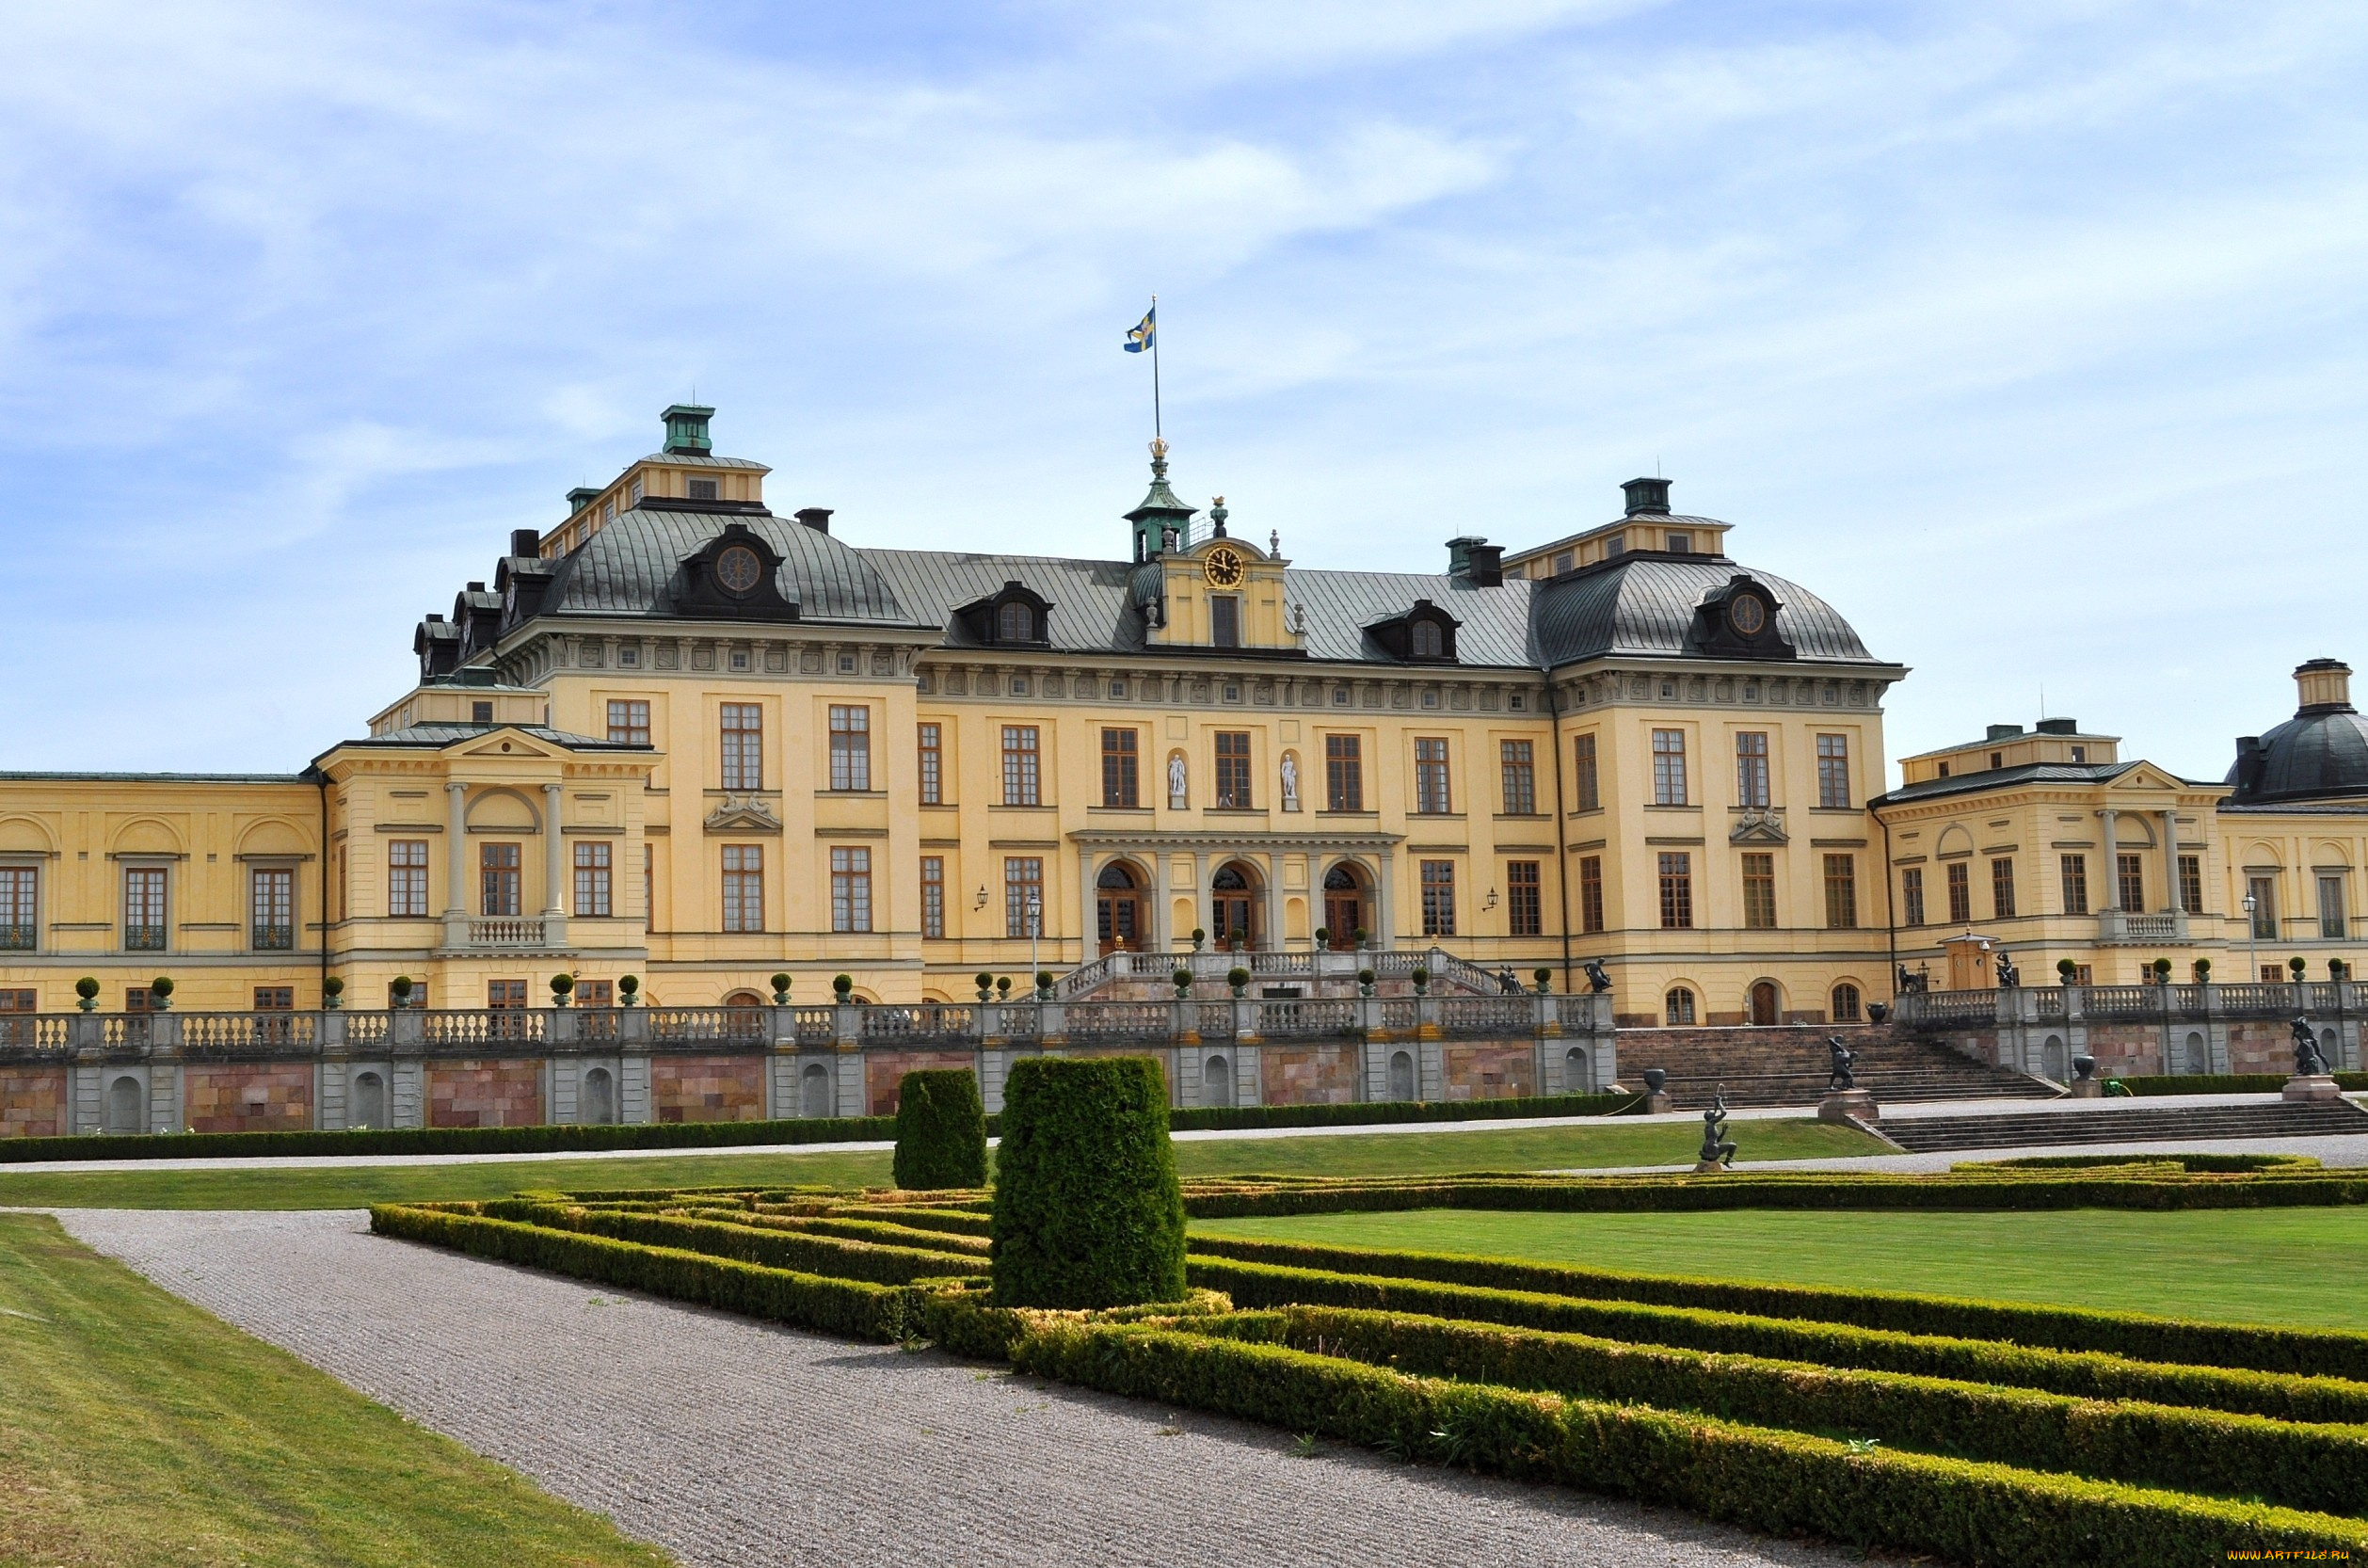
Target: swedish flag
(1140,336)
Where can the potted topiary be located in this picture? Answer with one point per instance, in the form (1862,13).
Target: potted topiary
(1422,977)
(782,990)
(1544,977)
(399,991)
(160,993)
(2297,967)
(1239,978)
(630,988)
(87,993)
(562,988)
(2065,969)
(986,982)
(1199,937)
(1182,980)
(2203,971)
(1365,982)
(1358,936)
(1044,984)
(1002,987)
(2162,972)
(1323,937)
(1241,939)
(2338,971)
(332,992)
(842,984)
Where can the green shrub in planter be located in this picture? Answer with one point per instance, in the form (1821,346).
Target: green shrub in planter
(332,989)
(1182,980)
(940,1130)
(1421,978)
(1044,982)
(1544,977)
(2065,969)
(1238,979)
(842,984)
(1087,1212)
(161,988)
(986,982)
(562,987)
(1002,987)
(399,990)
(88,990)
(2298,966)
(780,990)
(629,988)
(2203,971)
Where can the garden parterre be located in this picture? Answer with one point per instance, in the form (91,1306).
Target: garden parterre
(1980,1431)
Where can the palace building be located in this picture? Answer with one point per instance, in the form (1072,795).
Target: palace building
(682,738)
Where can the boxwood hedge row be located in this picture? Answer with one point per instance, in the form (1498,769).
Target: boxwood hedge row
(801,1254)
(1780,1481)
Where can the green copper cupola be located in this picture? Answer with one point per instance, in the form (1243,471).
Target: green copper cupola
(1160,511)
(686,430)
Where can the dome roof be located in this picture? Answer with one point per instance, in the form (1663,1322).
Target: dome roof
(1644,603)
(2319,754)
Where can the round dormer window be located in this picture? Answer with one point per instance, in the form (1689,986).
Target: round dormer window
(738,568)
(1747,615)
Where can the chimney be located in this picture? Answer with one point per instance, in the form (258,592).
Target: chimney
(686,429)
(2004,731)
(1647,497)
(1476,561)
(2250,762)
(2059,726)
(2326,686)
(816,518)
(526,542)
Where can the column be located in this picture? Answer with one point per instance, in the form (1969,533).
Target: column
(1385,896)
(1090,923)
(554,854)
(456,848)
(1274,931)
(2109,896)
(1162,937)
(2171,859)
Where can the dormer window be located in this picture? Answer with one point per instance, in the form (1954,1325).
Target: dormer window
(481,713)
(702,490)
(1680,544)
(1424,641)
(1015,623)
(1424,635)
(636,493)
(1014,615)
(1562,562)
(1224,620)
(1616,545)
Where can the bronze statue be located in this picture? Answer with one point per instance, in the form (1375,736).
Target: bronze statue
(1717,1148)
(2008,976)
(2308,1062)
(1840,1079)
(1597,978)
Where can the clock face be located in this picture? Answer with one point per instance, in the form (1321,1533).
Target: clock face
(738,568)
(1223,567)
(1748,614)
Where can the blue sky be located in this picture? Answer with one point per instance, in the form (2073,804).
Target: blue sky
(2028,335)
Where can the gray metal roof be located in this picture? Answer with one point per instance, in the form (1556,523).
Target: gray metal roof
(633,566)
(1091,612)
(2001,779)
(1644,607)
(2310,757)
(437,735)
(1495,627)
(698,459)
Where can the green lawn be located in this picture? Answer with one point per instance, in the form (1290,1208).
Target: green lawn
(1497,1148)
(136,1429)
(2301,1266)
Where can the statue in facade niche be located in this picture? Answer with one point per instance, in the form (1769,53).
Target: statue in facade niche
(2308,1062)
(1597,979)
(1291,781)
(1842,1076)
(1176,796)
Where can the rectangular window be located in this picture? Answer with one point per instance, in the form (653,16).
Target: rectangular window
(2263,891)
(2129,870)
(592,879)
(505,996)
(1590,893)
(406,878)
(1912,895)
(1023,896)
(497,880)
(1750,769)
(1960,893)
(1518,760)
(2002,889)
(1224,620)
(1759,892)
(1233,769)
(19,888)
(2075,884)
(1669,767)
(2191,883)
(1438,898)
(1525,909)
(2331,907)
(932,765)
(275,999)
(850,747)
(1344,774)
(743,887)
(1591,796)
(1120,786)
(1841,893)
(144,908)
(1677,891)
(271,908)
(1431,777)
(850,889)
(628,724)
(1833,772)
(1019,765)
(596,993)
(743,746)
(933,895)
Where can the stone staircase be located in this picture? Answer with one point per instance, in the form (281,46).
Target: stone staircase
(2126,1122)
(1787,1065)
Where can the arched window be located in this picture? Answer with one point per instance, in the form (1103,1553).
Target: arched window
(1015,623)
(1425,640)
(1116,874)
(1678,1006)
(1401,1076)
(1845,1009)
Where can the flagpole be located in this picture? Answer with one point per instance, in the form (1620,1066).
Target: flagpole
(1156,431)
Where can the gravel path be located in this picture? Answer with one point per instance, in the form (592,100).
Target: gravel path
(734,1443)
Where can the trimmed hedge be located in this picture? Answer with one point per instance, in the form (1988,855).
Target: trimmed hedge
(820,1255)
(2319,1468)
(952,1221)
(1232,1118)
(860,1310)
(2087,1374)
(549,1139)
(2212,1163)
(940,1130)
(1967,1511)
(1087,1212)
(2304,1352)
(901,1237)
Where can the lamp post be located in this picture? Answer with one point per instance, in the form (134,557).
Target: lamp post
(2252,949)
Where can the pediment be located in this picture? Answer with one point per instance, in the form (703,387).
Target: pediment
(1759,827)
(743,816)
(509,743)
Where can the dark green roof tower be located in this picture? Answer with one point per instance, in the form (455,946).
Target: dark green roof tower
(686,430)
(1159,510)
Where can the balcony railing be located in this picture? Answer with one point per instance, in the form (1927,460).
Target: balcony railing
(506,931)
(273,938)
(19,939)
(143,939)
(2053,1003)
(2123,927)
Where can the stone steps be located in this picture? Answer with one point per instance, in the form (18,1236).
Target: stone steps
(2126,1124)
(1789,1064)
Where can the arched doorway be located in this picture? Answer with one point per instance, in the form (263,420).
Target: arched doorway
(1118,907)
(123,1105)
(600,1097)
(370,1102)
(1401,1076)
(1578,1074)
(1764,1002)
(2198,1055)
(1233,906)
(1344,906)
(1216,1081)
(813,1094)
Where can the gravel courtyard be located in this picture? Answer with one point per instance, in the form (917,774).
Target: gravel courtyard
(734,1443)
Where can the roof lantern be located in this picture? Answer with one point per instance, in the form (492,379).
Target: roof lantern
(1159,510)
(686,429)
(1647,497)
